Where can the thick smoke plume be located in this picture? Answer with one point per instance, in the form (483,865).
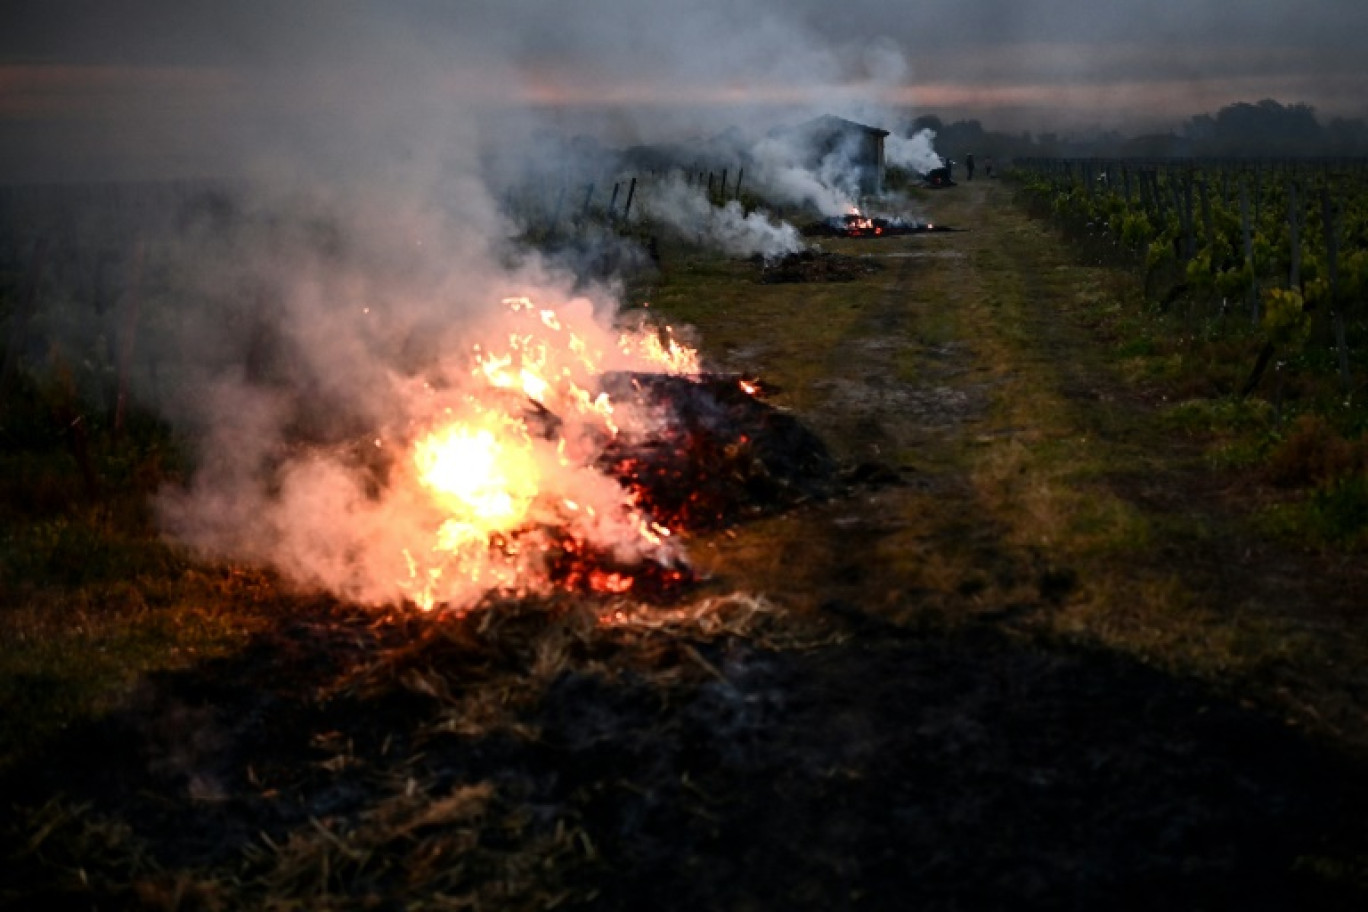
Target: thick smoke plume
(728,228)
(916,152)
(829,185)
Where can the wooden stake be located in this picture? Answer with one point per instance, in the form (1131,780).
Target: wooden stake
(1185,205)
(1249,254)
(1293,238)
(1336,306)
(1207,224)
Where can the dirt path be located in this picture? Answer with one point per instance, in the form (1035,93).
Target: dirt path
(1170,565)
(960,683)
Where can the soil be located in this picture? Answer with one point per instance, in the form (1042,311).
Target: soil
(833,727)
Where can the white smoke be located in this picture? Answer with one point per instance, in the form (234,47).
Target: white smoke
(306,459)
(728,228)
(916,152)
(784,173)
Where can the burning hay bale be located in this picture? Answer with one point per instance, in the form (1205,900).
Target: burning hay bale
(550,453)
(815,266)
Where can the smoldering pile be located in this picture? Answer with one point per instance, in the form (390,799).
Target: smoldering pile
(720,454)
(815,265)
(861,226)
(716,455)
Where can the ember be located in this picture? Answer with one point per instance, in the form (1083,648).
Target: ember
(575,566)
(856,225)
(719,454)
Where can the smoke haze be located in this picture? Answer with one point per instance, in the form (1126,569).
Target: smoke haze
(309,316)
(323,311)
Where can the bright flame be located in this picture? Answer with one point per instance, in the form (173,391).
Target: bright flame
(663,350)
(487,481)
(495,486)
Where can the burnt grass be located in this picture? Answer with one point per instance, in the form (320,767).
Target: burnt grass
(861,765)
(814,265)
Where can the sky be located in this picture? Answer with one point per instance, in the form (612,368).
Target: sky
(153,87)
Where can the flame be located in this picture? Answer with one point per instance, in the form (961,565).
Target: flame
(502,483)
(856,224)
(662,349)
(487,481)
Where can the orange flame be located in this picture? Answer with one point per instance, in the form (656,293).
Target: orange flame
(488,480)
(476,475)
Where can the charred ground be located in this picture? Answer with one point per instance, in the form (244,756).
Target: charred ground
(529,758)
(1027,654)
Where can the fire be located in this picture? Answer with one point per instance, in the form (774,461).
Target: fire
(486,481)
(663,349)
(505,474)
(857,224)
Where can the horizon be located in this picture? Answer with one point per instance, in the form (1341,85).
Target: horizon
(194,88)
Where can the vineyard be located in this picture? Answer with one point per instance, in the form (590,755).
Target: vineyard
(1285,245)
(1255,276)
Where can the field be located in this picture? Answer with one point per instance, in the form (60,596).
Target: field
(1083,627)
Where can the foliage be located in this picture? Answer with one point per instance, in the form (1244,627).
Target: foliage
(1285,318)
(1314,453)
(1339,511)
(1256,285)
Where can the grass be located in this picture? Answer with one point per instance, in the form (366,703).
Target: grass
(1070,472)
(791,329)
(91,597)
(1116,471)
(88,611)
(1079,392)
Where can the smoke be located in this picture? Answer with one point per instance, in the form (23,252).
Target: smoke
(329,335)
(916,152)
(785,173)
(323,304)
(728,228)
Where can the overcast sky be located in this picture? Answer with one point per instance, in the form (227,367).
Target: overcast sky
(154,86)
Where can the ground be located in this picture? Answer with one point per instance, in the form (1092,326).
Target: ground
(1033,653)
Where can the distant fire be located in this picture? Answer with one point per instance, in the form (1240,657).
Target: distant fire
(857,224)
